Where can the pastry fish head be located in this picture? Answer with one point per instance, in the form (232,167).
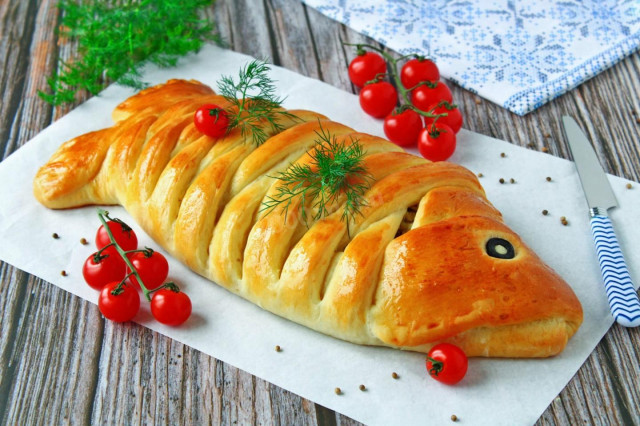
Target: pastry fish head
(471,281)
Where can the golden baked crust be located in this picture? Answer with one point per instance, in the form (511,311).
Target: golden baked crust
(411,271)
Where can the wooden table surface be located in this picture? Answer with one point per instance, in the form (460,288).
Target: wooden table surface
(60,361)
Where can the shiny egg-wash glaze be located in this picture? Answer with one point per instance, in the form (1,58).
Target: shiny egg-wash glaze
(428,260)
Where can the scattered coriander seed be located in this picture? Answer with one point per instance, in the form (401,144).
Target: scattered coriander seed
(545,212)
(84,241)
(278,348)
(63,273)
(480,175)
(454,418)
(544,149)
(633,112)
(362,388)
(548,179)
(531,145)
(512,180)
(629,186)
(501,180)
(55,235)
(338,391)
(478,101)
(638,120)
(546,135)
(564,221)
(394,375)
(502,154)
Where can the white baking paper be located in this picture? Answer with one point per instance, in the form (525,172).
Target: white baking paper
(495,391)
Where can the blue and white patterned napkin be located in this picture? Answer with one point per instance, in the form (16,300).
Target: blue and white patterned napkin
(517,54)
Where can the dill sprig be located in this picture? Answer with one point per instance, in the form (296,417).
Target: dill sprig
(253,102)
(116,39)
(336,174)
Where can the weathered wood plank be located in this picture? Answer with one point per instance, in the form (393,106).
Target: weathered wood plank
(244,27)
(35,112)
(333,56)
(59,361)
(12,295)
(17,20)
(43,371)
(52,349)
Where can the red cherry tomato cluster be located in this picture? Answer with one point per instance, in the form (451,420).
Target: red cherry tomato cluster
(119,269)
(417,109)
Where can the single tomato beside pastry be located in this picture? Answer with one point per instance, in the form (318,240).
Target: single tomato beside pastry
(447,363)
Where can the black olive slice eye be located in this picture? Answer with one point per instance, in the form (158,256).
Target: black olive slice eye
(500,248)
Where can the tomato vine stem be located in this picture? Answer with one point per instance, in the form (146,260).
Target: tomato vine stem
(123,254)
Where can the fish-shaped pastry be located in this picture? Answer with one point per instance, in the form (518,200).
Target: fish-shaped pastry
(427,260)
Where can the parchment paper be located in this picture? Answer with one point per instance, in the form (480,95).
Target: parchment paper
(495,391)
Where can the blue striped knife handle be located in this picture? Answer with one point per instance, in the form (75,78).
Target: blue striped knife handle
(623,298)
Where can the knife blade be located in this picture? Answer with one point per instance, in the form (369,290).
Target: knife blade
(621,293)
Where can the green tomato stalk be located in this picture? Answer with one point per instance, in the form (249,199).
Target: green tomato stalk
(102,214)
(436,366)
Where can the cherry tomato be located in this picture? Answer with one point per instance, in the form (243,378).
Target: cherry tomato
(447,363)
(212,120)
(403,129)
(417,71)
(365,67)
(378,99)
(424,97)
(170,307)
(437,145)
(453,118)
(123,234)
(120,307)
(153,269)
(99,271)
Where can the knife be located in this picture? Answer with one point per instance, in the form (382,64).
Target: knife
(622,295)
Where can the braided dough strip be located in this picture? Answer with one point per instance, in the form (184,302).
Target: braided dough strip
(411,271)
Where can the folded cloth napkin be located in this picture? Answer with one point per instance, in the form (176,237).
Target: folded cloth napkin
(517,54)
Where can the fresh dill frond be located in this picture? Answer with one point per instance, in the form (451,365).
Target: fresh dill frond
(335,176)
(253,102)
(116,39)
